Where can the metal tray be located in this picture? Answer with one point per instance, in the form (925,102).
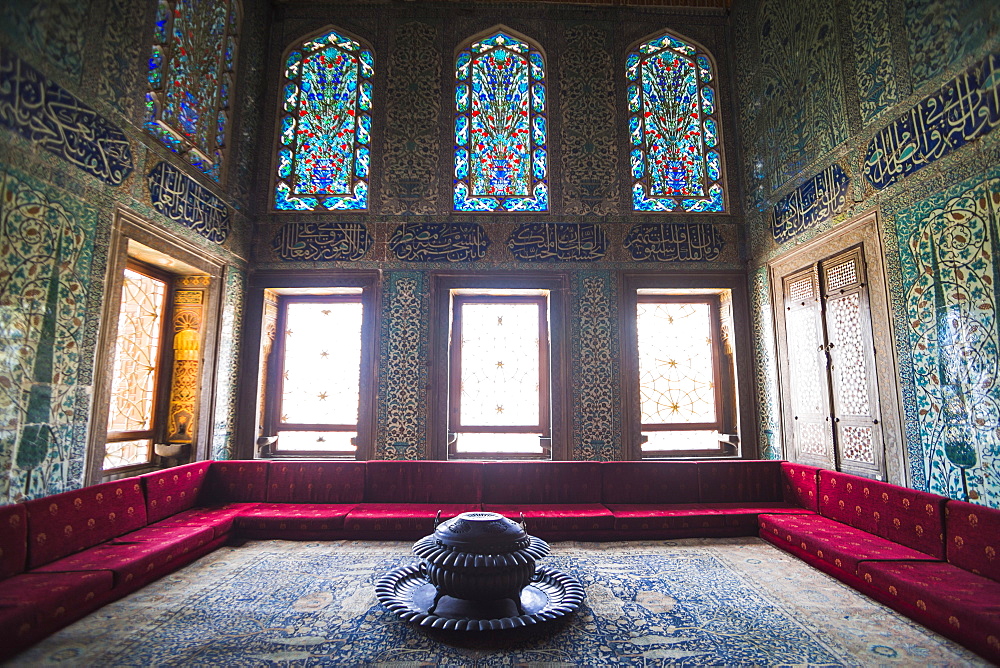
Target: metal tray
(408,594)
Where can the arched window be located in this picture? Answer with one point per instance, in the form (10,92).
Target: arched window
(500,125)
(674,128)
(191,79)
(326,123)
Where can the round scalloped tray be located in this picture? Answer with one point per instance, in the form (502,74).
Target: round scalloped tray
(408,594)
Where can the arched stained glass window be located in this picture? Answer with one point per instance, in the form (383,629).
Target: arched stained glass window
(191,79)
(326,123)
(674,128)
(500,126)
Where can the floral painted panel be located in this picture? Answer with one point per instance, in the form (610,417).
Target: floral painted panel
(46,257)
(949,249)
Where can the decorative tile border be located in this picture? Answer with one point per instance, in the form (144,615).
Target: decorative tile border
(183,200)
(674,242)
(558,242)
(816,201)
(322,242)
(439,242)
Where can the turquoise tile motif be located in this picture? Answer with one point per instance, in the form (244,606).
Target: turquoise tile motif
(596,369)
(765,364)
(876,71)
(48,115)
(234,289)
(322,242)
(964,109)
(949,247)
(52,28)
(402,419)
(46,265)
(942,31)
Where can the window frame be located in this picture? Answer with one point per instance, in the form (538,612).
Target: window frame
(736,409)
(272,421)
(544,425)
(251,400)
(162,369)
(440,331)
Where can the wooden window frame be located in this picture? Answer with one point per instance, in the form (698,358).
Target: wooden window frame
(273,423)
(715,333)
(302,282)
(161,373)
(738,433)
(544,425)
(442,283)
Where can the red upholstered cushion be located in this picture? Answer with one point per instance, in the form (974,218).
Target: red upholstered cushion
(648,517)
(402,518)
(559,516)
(423,482)
(65,523)
(295,516)
(137,557)
(172,490)
(541,482)
(739,480)
(841,499)
(316,482)
(649,482)
(220,518)
(241,481)
(973,539)
(835,542)
(800,484)
(33,605)
(13,539)
(906,516)
(752,508)
(948,599)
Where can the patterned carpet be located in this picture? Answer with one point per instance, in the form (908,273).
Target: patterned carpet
(735,601)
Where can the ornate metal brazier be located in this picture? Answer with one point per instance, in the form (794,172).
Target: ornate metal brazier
(479,556)
(483,565)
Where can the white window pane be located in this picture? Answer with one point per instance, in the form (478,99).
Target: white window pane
(499,443)
(126,453)
(316,441)
(681,440)
(322,365)
(500,363)
(676,372)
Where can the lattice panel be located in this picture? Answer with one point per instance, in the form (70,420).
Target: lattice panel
(807,372)
(857,444)
(813,440)
(850,371)
(842,275)
(802,289)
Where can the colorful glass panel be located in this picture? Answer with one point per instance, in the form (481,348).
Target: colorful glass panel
(500,102)
(190,79)
(676,363)
(673,124)
(323,157)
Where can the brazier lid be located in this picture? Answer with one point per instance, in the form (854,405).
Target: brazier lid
(482,532)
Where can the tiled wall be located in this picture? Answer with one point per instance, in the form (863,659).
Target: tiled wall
(71,151)
(898,114)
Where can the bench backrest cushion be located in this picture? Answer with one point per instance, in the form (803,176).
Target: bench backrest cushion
(736,481)
(423,481)
(541,482)
(316,482)
(65,523)
(905,516)
(237,481)
(649,482)
(800,484)
(13,539)
(170,491)
(973,538)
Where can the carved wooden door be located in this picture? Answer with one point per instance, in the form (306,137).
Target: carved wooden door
(830,366)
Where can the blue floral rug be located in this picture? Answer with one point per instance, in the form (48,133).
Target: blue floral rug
(735,601)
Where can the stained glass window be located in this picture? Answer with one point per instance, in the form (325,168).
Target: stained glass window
(501,163)
(674,128)
(190,79)
(134,374)
(325,130)
(320,374)
(499,389)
